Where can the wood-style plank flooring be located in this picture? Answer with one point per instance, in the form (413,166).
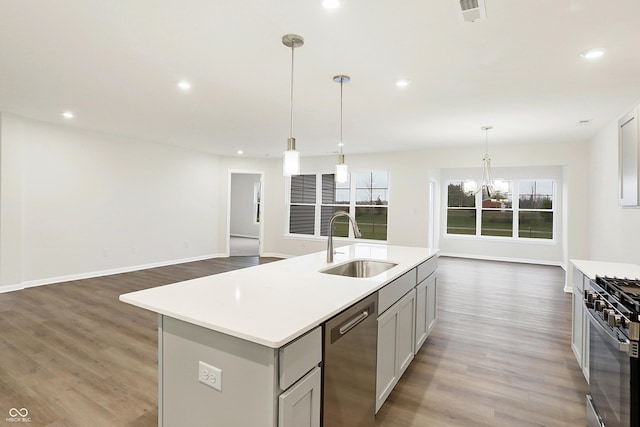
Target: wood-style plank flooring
(74,355)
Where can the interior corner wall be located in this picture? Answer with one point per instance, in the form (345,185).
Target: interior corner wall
(92,203)
(10,208)
(614,230)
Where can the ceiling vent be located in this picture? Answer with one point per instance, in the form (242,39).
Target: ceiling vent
(471,10)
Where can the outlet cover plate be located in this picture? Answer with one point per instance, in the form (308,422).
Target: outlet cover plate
(210,375)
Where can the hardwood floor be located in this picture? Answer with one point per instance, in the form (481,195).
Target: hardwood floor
(74,355)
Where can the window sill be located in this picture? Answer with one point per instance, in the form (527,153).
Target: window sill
(335,239)
(523,240)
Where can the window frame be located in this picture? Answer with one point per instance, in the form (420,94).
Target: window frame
(515,210)
(349,208)
(257,201)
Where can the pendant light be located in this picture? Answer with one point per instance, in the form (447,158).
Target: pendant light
(342,171)
(487,183)
(291,157)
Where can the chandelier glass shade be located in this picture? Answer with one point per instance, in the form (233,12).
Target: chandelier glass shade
(487,184)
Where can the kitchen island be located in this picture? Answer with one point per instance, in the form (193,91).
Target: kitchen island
(245,347)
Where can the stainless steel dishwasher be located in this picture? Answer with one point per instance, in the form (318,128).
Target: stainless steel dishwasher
(349,366)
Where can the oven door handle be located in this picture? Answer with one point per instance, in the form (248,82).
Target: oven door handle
(623,346)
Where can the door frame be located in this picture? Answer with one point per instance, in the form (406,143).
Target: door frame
(230,174)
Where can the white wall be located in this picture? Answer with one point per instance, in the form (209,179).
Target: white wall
(242,205)
(94,203)
(10,209)
(409,209)
(614,230)
(80,202)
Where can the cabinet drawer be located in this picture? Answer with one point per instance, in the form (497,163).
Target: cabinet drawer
(426,268)
(299,357)
(391,293)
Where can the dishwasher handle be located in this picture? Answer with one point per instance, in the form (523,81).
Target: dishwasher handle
(354,322)
(358,316)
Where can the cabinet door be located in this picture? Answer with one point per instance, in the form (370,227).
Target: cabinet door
(577,322)
(421,315)
(628,155)
(406,328)
(299,406)
(432,302)
(386,365)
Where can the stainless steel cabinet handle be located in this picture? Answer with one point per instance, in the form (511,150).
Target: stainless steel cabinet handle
(353,322)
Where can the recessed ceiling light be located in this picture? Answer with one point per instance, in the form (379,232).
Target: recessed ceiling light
(403,82)
(240,152)
(184,85)
(67,115)
(331,4)
(592,53)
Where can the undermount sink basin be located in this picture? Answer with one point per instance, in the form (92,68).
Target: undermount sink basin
(360,268)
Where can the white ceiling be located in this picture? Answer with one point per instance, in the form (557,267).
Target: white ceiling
(116,65)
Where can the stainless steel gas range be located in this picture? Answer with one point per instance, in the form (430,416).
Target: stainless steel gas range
(613,309)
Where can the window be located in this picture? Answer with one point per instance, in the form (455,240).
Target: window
(364,196)
(523,209)
(497,214)
(302,210)
(371,204)
(535,219)
(461,210)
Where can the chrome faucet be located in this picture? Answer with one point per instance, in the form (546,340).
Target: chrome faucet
(354,225)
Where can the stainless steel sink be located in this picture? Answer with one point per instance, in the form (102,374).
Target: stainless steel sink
(360,268)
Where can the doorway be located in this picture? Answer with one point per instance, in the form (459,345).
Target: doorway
(245,213)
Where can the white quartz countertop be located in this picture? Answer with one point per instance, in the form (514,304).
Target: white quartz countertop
(603,268)
(274,303)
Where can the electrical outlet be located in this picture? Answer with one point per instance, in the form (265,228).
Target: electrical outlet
(210,375)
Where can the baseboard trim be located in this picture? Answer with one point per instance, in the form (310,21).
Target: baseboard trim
(505,259)
(10,288)
(100,273)
(274,255)
(245,236)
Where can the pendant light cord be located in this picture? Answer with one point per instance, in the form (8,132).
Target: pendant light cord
(486,142)
(341,143)
(291,115)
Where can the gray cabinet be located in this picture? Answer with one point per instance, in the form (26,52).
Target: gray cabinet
(579,323)
(629,159)
(406,328)
(421,315)
(387,362)
(407,308)
(299,406)
(261,387)
(432,302)
(426,302)
(395,345)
